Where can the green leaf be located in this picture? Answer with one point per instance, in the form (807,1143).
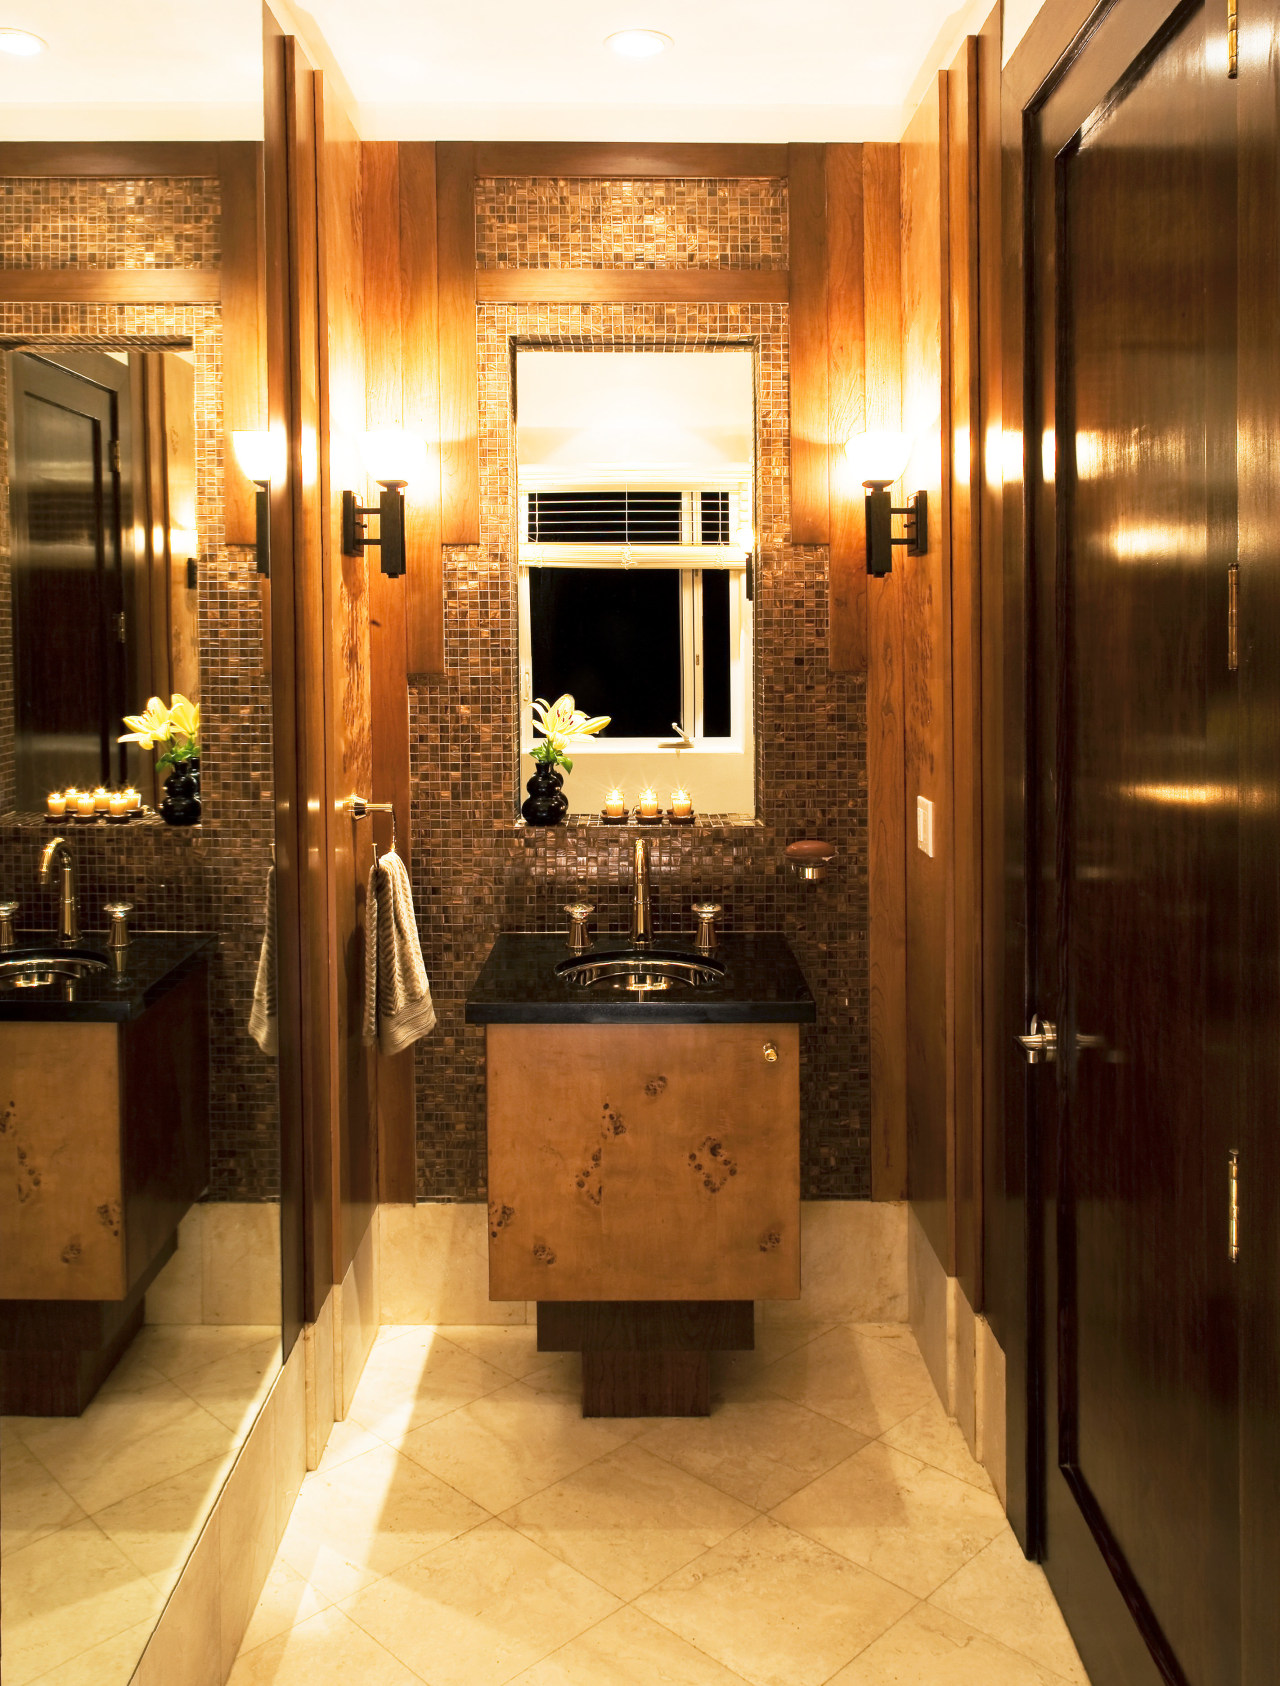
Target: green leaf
(566,763)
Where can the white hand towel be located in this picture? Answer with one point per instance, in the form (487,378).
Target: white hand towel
(263,1014)
(397,995)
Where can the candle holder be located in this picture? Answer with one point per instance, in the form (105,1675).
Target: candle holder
(681,819)
(606,818)
(647,819)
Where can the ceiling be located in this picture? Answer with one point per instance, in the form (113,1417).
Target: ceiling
(492,69)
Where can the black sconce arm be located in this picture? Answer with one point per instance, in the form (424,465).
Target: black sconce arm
(391,527)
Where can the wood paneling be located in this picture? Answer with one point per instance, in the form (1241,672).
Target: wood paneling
(846,373)
(926,587)
(633,286)
(636,1325)
(628,160)
(110,158)
(886,701)
(810,417)
(110,286)
(641,1163)
(387,621)
(459,392)
(420,333)
(244,370)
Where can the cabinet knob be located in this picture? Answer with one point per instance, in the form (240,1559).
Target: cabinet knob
(771,1052)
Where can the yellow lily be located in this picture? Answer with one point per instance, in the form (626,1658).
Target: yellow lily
(184,716)
(149,727)
(561,724)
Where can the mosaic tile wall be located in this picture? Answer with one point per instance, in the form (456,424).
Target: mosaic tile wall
(478,870)
(211,877)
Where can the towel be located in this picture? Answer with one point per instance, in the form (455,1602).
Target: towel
(397,996)
(263,1013)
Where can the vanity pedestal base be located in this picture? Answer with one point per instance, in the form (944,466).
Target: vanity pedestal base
(646,1358)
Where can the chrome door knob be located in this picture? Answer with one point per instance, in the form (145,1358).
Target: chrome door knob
(1040,1044)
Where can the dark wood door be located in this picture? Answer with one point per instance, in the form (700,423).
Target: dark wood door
(1135,943)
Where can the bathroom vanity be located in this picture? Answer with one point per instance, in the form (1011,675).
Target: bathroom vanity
(104,1144)
(643,1152)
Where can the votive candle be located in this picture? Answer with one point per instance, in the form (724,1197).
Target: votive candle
(100,800)
(85,805)
(118,804)
(56,802)
(133,799)
(649,803)
(681,803)
(615,804)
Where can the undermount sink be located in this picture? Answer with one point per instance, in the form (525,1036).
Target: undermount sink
(43,969)
(641,972)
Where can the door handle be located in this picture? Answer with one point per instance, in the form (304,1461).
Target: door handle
(1040,1044)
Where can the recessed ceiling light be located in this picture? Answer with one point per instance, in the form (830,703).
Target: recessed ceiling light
(21,43)
(638,43)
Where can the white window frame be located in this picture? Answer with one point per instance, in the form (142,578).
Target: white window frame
(719,773)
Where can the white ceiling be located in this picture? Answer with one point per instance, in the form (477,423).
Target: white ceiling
(764,70)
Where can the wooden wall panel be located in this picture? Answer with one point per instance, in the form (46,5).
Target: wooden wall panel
(420,319)
(886,741)
(111,286)
(387,621)
(810,419)
(634,286)
(846,414)
(927,677)
(459,391)
(629,160)
(98,159)
(244,370)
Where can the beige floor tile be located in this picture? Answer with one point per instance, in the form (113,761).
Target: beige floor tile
(415,1378)
(176,1349)
(761,1450)
(133,1374)
(511,1347)
(858,1379)
(157,1528)
(32,1504)
(896,1334)
(928,1646)
(72,1590)
(775,1607)
(477,1611)
(287,1600)
(125,1443)
(627,1649)
(111,1663)
(902,1519)
(1007,1598)
(629,1519)
(935,1438)
(369,1516)
(509,1445)
(348,1439)
(327,1649)
(232,1388)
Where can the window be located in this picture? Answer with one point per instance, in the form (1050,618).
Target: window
(634,591)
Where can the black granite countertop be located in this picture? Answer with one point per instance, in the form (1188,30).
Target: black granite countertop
(154,962)
(518,985)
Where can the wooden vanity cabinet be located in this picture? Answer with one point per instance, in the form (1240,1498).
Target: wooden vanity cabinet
(644,1162)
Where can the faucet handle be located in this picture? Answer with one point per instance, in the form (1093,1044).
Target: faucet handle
(706,913)
(7,911)
(118,913)
(579,913)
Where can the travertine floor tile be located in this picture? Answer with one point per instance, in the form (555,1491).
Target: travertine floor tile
(479,1610)
(327,1649)
(627,1649)
(32,1504)
(759,1450)
(111,1663)
(866,1383)
(416,1377)
(287,1600)
(369,1516)
(509,1445)
(929,1648)
(935,1438)
(157,1528)
(775,1607)
(177,1349)
(629,1519)
(233,1386)
(902,1519)
(1007,1598)
(511,1347)
(347,1439)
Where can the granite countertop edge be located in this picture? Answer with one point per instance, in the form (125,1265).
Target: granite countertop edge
(157,962)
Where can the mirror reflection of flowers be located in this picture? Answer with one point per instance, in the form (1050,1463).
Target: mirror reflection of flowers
(177,725)
(562,725)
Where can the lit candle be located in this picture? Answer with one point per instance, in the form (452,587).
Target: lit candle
(56,802)
(118,804)
(71,793)
(85,805)
(681,803)
(615,804)
(133,800)
(100,800)
(649,803)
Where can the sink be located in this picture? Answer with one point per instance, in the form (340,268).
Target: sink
(43,969)
(642,972)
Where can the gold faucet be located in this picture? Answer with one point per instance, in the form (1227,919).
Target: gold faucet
(641,917)
(58,851)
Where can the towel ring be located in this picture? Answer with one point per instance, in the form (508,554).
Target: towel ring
(359,808)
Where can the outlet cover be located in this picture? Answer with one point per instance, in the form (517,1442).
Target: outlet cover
(924,825)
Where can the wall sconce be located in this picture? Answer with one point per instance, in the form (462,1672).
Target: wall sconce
(260,462)
(879,459)
(393,458)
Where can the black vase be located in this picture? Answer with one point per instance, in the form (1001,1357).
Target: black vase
(181,804)
(546,803)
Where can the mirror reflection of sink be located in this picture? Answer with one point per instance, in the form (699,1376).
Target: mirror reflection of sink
(642,972)
(42,970)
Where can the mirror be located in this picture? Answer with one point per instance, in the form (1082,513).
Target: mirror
(101,470)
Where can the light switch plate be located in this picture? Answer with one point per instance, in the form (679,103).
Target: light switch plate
(924,825)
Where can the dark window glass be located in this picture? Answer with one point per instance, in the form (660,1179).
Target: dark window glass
(604,517)
(715,517)
(610,637)
(717,711)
